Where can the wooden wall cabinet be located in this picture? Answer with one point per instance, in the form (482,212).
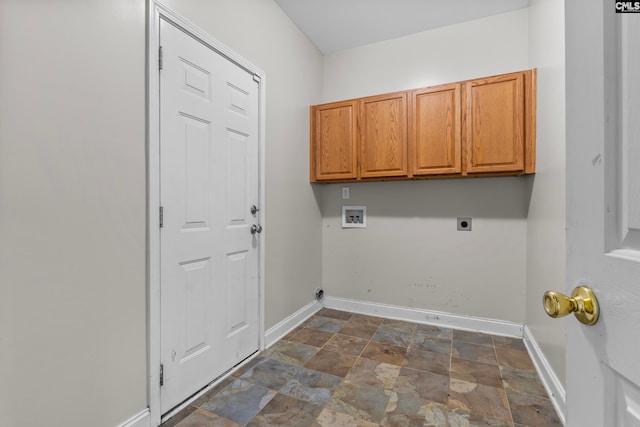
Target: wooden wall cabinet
(383,136)
(334,141)
(435,131)
(498,130)
(479,127)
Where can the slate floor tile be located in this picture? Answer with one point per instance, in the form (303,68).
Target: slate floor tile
(409,410)
(346,344)
(472,337)
(423,385)
(423,360)
(311,386)
(399,325)
(332,363)
(335,314)
(434,331)
(475,352)
(329,418)
(286,411)
(514,358)
(271,373)
(293,353)
(397,337)
(532,410)
(522,381)
(240,402)
(508,342)
(385,353)
(202,418)
(430,343)
(373,373)
(360,401)
(476,372)
(311,337)
(326,324)
(479,399)
(360,330)
(339,369)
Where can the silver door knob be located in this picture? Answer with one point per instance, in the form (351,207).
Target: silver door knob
(253,209)
(256,228)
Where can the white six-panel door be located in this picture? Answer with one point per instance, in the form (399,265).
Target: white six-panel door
(208,182)
(603,212)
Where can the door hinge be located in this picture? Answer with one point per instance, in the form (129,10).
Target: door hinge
(161,216)
(160,58)
(161,375)
(256,78)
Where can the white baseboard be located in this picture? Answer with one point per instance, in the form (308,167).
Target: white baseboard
(290,323)
(468,323)
(143,419)
(547,375)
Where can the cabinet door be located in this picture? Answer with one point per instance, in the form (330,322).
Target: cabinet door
(494,124)
(334,141)
(383,139)
(435,130)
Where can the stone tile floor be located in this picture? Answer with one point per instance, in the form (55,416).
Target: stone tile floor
(344,369)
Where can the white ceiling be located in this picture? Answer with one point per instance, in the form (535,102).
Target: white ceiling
(334,25)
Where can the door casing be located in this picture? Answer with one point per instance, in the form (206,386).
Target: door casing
(157,11)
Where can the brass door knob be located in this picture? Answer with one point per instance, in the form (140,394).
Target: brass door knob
(582,303)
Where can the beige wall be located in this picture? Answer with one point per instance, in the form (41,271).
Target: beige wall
(546,219)
(492,45)
(72,195)
(72,192)
(411,253)
(72,212)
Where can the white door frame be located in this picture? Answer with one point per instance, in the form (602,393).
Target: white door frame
(156,11)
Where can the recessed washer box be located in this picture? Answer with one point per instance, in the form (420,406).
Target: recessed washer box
(354,217)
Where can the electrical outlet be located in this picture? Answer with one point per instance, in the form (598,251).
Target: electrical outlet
(464,224)
(345,193)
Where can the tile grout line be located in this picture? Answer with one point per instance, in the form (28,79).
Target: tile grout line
(495,351)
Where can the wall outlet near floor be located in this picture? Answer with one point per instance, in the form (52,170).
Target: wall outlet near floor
(464,224)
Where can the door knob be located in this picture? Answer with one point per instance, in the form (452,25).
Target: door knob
(256,228)
(582,303)
(253,209)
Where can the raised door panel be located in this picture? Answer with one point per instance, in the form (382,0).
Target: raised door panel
(494,124)
(383,136)
(334,141)
(435,130)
